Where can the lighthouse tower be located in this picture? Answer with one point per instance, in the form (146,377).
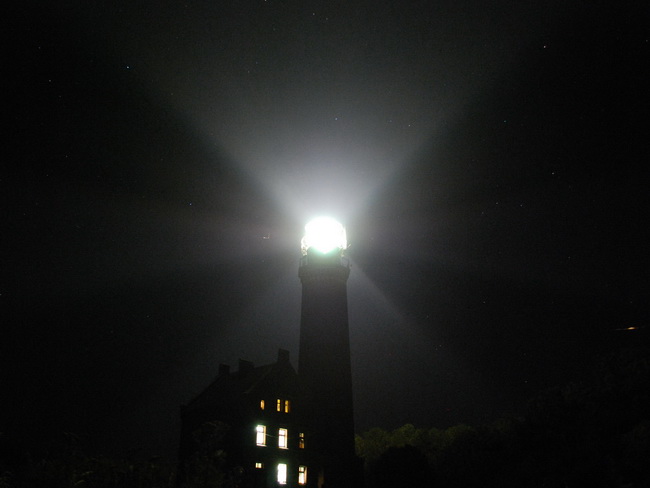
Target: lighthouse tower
(324,368)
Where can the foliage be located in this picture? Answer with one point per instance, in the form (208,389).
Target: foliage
(401,467)
(207,466)
(64,464)
(591,433)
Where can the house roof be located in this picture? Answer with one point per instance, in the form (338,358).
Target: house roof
(278,378)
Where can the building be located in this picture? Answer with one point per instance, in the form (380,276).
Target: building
(270,426)
(243,426)
(324,367)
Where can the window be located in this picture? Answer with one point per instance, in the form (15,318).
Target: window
(259,465)
(282,439)
(302,475)
(260,438)
(261,404)
(283,405)
(301,440)
(282,474)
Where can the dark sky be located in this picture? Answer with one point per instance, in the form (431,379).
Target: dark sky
(489,160)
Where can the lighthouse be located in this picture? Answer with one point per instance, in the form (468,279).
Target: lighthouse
(272,427)
(324,366)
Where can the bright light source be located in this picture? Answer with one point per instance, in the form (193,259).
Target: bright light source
(282,474)
(324,234)
(260,435)
(282,439)
(302,475)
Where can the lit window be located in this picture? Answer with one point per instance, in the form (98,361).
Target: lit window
(262,404)
(279,405)
(282,474)
(282,439)
(260,438)
(301,440)
(286,406)
(302,475)
(259,465)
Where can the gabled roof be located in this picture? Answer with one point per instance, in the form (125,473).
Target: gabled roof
(233,388)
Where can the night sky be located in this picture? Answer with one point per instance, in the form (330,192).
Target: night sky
(489,160)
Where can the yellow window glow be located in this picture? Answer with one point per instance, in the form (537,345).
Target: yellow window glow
(282,474)
(259,465)
(282,438)
(301,440)
(286,406)
(302,475)
(279,405)
(260,437)
(262,404)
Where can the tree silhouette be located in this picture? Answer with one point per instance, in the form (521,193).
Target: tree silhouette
(401,467)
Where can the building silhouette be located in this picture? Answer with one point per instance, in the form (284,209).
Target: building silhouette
(271,426)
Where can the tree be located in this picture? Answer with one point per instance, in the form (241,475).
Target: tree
(400,467)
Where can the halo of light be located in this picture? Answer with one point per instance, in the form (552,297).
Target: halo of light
(324,234)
